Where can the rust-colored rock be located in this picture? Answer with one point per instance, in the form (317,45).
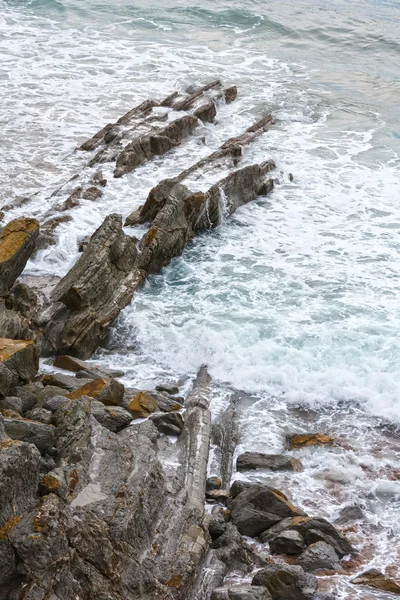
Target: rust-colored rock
(301,440)
(376,579)
(17,242)
(106,390)
(141,405)
(19,363)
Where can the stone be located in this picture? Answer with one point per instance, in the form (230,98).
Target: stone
(230,94)
(377,580)
(47,463)
(241,592)
(166,403)
(141,405)
(55,403)
(172,390)
(206,112)
(12,403)
(216,526)
(24,300)
(273,462)
(65,382)
(287,582)
(114,418)
(221,496)
(70,363)
(169,423)
(32,432)
(238,487)
(78,317)
(17,242)
(349,514)
(13,325)
(300,440)
(313,529)
(106,390)
(259,507)
(53,483)
(287,542)
(319,556)
(27,398)
(213,483)
(40,414)
(19,363)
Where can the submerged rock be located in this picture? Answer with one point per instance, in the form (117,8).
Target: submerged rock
(258,507)
(299,440)
(17,242)
(349,514)
(273,462)
(319,555)
(377,580)
(287,582)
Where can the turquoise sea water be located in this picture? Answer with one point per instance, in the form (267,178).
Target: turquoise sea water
(295,300)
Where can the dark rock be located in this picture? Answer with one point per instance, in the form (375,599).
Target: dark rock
(54,483)
(287,542)
(274,462)
(32,432)
(168,389)
(165,403)
(92,193)
(206,112)
(217,526)
(238,487)
(51,391)
(241,592)
(377,580)
(157,142)
(13,325)
(319,556)
(47,463)
(24,300)
(218,495)
(230,94)
(106,390)
(77,321)
(313,529)
(300,440)
(40,414)
(213,483)
(259,507)
(27,398)
(12,403)
(170,423)
(287,582)
(70,363)
(349,514)
(17,242)
(65,382)
(114,418)
(19,363)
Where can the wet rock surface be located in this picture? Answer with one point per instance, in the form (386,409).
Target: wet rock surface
(319,555)
(377,580)
(241,592)
(287,582)
(287,542)
(17,242)
(275,462)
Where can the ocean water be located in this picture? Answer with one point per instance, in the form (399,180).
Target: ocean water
(294,301)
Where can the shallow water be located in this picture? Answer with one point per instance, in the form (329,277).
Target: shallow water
(294,300)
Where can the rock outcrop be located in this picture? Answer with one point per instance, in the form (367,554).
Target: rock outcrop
(17,243)
(273,462)
(19,363)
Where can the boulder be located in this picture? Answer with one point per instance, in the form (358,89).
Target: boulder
(27,398)
(377,580)
(241,592)
(70,363)
(259,507)
(12,403)
(349,514)
(319,556)
(287,542)
(78,317)
(140,405)
(213,483)
(206,112)
(287,582)
(238,487)
(40,414)
(17,242)
(114,418)
(24,300)
(170,423)
(106,390)
(313,529)
(19,363)
(273,462)
(300,440)
(13,325)
(165,402)
(216,526)
(65,382)
(53,483)
(55,402)
(32,432)
(172,390)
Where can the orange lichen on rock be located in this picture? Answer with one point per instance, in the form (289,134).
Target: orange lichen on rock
(309,439)
(10,524)
(10,347)
(142,405)
(50,483)
(376,579)
(14,236)
(151,235)
(91,389)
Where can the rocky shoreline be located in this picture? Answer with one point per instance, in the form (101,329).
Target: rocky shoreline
(117,493)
